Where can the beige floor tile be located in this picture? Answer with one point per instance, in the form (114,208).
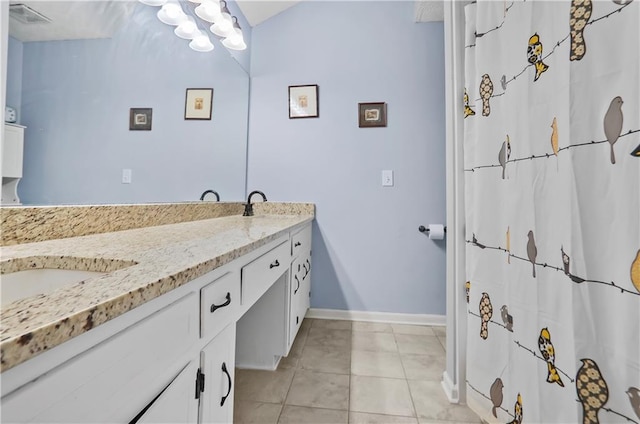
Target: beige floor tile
(306,325)
(364,418)
(426,421)
(335,360)
(424,345)
(249,412)
(302,414)
(421,330)
(263,386)
(443,341)
(332,324)
(328,337)
(382,342)
(288,362)
(373,327)
(298,344)
(319,390)
(431,403)
(377,395)
(423,367)
(376,364)
(439,330)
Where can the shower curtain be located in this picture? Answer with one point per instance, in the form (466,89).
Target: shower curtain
(552,194)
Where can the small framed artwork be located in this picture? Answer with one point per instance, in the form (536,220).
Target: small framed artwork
(198,103)
(372,115)
(140,119)
(303,101)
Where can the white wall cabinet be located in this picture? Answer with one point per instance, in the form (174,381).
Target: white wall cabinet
(12,158)
(173,358)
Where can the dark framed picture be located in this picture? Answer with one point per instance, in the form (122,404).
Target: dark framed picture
(372,115)
(303,101)
(140,119)
(198,103)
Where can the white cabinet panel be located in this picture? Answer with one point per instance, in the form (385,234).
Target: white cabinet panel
(176,403)
(217,362)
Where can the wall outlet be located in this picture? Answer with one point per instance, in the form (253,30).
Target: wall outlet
(387,178)
(126,176)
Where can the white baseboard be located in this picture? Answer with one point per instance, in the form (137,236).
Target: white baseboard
(386,317)
(450,389)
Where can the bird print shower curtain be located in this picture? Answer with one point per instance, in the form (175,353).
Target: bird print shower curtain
(552,194)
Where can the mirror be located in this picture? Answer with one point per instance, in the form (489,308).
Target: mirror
(73,88)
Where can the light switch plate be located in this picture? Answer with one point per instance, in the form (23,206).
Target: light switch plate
(126,176)
(387,178)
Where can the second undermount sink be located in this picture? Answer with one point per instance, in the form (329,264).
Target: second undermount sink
(22,284)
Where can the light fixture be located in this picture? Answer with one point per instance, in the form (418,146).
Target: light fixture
(172,13)
(201,42)
(195,1)
(153,2)
(187,29)
(209,10)
(235,40)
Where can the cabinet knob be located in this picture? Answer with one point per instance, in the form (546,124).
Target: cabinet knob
(222,305)
(274,264)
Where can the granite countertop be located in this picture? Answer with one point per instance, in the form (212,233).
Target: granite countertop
(141,264)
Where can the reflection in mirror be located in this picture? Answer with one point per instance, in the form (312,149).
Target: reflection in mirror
(74,82)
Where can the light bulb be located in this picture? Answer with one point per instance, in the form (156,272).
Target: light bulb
(172,14)
(209,10)
(201,42)
(187,29)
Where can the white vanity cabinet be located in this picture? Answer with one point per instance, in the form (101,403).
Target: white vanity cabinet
(300,283)
(172,359)
(12,157)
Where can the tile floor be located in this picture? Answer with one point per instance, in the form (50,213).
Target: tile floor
(353,372)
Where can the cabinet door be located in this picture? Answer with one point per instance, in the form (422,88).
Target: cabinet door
(295,298)
(217,362)
(176,403)
(12,151)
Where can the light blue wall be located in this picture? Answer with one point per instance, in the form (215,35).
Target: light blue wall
(14,74)
(75,103)
(367,252)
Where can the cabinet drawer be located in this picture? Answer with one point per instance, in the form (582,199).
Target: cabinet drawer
(219,304)
(260,274)
(301,241)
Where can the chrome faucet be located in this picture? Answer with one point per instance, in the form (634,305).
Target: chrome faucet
(248,208)
(210,191)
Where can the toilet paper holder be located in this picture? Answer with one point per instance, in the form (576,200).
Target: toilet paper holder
(424,229)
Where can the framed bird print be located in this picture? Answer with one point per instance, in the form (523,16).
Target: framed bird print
(303,101)
(198,104)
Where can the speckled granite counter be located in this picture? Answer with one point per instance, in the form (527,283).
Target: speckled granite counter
(142,264)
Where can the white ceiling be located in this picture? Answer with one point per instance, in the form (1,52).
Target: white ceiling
(72,20)
(101,19)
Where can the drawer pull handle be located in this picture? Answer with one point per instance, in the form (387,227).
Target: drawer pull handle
(227,303)
(298,281)
(274,264)
(224,398)
(297,244)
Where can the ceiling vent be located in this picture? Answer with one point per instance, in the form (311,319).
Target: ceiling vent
(27,15)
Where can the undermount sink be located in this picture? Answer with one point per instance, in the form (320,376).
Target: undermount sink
(22,284)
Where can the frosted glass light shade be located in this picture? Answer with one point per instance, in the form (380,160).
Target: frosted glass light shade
(187,29)
(153,2)
(172,13)
(223,28)
(238,44)
(201,42)
(209,10)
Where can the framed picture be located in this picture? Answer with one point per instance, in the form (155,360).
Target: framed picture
(372,115)
(198,103)
(140,119)
(303,101)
